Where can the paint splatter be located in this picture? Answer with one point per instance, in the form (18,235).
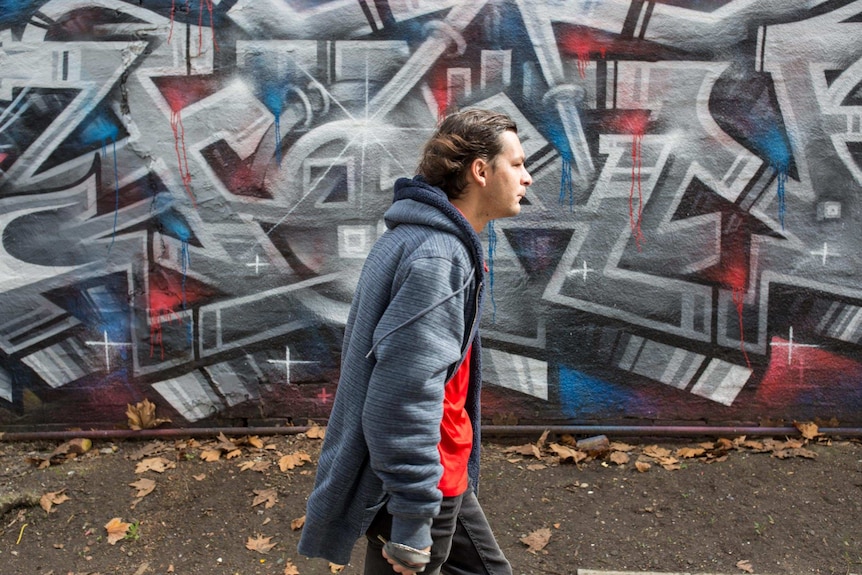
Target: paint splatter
(567,188)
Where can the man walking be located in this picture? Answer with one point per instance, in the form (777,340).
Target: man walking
(401,456)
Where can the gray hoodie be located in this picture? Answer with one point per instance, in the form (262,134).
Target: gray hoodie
(415,311)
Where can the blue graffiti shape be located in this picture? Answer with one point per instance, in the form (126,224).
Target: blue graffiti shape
(583,396)
(771,142)
(16,12)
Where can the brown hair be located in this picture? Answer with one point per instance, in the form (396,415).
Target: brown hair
(460,139)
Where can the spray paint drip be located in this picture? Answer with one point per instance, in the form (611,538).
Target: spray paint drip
(439,84)
(159,314)
(734,276)
(583,44)
(492,251)
(634,123)
(272,95)
(739,302)
(781,179)
(182,154)
(178,227)
(556,134)
(209,6)
(567,187)
(116,190)
(773,145)
(201,4)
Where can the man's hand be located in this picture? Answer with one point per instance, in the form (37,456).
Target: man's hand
(400,568)
(405,560)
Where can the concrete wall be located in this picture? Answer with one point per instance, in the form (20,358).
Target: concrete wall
(188,190)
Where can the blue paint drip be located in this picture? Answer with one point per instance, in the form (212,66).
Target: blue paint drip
(567,187)
(176,225)
(116,197)
(278,138)
(271,89)
(492,250)
(772,144)
(185,263)
(556,135)
(781,175)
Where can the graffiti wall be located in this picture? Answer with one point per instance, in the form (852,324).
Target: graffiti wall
(188,189)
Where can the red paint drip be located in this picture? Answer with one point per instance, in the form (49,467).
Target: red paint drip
(634,122)
(201,4)
(739,301)
(439,84)
(182,156)
(209,5)
(157,315)
(162,305)
(173,10)
(637,164)
(583,44)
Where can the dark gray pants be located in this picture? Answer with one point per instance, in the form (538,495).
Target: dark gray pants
(463,543)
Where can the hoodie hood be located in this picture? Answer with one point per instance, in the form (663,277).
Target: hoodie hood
(414,197)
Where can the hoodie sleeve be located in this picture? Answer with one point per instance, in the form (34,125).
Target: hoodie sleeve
(414,348)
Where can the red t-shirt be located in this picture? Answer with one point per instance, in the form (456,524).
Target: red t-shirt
(456,432)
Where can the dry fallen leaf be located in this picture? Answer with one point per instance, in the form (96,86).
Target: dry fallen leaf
(143,415)
(656,451)
(537,540)
(316,432)
(619,457)
(567,453)
(117,529)
(210,455)
(335,568)
(144,486)
(808,429)
(157,464)
(297,524)
(260,544)
(295,459)
(266,496)
(260,466)
(48,500)
(200,477)
(255,441)
(689,452)
(528,450)
(290,569)
(745,565)
(642,466)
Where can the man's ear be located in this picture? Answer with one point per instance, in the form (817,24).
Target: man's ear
(479,171)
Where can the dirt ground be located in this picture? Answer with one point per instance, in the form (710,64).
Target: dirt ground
(735,506)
